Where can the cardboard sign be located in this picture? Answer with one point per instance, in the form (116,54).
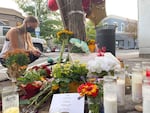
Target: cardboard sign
(67,103)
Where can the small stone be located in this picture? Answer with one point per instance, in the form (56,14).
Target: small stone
(139,108)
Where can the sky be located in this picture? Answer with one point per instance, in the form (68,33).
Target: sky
(123,8)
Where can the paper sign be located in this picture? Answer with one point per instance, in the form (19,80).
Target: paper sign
(67,103)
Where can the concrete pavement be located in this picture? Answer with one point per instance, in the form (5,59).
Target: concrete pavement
(128,56)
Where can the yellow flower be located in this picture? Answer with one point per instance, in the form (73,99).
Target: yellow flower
(91,42)
(64,34)
(55,87)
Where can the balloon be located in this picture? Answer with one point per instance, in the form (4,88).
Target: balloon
(52,5)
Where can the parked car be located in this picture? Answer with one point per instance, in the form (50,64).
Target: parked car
(39,43)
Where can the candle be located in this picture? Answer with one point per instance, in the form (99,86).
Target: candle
(146,96)
(10,100)
(137,92)
(137,87)
(12,110)
(146,107)
(110,105)
(121,91)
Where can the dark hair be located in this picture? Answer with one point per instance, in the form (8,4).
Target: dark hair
(30,19)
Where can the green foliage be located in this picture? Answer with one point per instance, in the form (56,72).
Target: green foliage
(29,77)
(50,27)
(90,30)
(20,59)
(76,49)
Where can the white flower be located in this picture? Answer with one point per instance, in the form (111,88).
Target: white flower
(103,63)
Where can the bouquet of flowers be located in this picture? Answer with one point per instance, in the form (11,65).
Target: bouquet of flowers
(16,61)
(68,75)
(33,79)
(35,86)
(94,93)
(103,64)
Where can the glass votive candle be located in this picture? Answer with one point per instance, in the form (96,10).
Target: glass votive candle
(110,95)
(137,84)
(146,69)
(10,99)
(146,95)
(120,75)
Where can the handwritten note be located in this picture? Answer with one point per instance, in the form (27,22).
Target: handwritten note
(67,103)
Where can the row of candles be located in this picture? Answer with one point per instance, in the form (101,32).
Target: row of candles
(141,85)
(114,89)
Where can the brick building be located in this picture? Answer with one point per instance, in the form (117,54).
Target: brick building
(10,17)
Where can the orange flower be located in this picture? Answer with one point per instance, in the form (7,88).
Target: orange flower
(88,89)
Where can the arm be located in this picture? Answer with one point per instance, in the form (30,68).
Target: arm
(31,47)
(30,44)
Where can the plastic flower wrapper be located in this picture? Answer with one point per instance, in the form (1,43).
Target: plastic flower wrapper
(104,64)
(80,44)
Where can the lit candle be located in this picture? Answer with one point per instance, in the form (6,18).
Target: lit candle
(110,105)
(121,91)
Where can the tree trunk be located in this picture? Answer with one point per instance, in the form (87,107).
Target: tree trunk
(73,17)
(76,19)
(63,8)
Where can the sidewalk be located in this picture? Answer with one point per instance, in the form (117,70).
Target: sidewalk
(129,58)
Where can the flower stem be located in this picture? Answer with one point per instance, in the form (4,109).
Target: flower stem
(62,51)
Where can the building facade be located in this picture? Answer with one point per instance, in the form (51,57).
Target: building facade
(10,17)
(125,32)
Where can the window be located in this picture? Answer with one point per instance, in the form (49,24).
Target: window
(116,24)
(105,24)
(122,27)
(5,30)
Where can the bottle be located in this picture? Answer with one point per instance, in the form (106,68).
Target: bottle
(110,95)
(137,83)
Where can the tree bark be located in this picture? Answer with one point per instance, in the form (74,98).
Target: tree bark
(73,17)
(63,8)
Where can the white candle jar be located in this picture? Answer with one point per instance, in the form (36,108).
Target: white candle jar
(146,95)
(120,75)
(10,100)
(110,96)
(137,84)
